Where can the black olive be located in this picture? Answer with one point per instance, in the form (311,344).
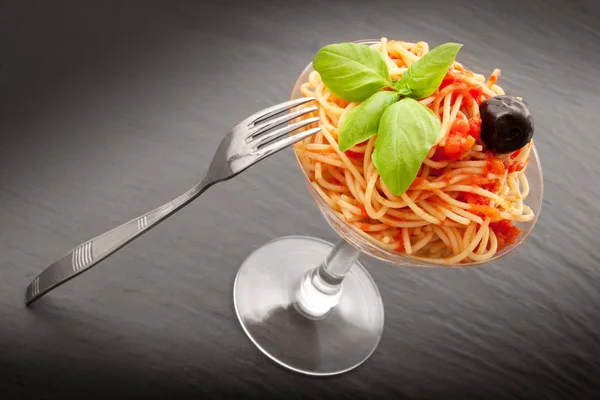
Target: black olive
(506,124)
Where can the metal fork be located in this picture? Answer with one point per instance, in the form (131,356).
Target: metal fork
(248,142)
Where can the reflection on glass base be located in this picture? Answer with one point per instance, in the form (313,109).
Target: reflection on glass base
(264,295)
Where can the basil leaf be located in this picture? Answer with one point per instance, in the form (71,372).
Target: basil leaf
(363,120)
(426,74)
(407,131)
(352,71)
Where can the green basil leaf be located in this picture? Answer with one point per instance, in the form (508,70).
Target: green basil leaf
(407,131)
(352,71)
(363,120)
(426,74)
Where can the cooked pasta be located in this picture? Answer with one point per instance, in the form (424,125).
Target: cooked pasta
(461,206)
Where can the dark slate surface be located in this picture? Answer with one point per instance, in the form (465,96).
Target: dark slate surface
(109,109)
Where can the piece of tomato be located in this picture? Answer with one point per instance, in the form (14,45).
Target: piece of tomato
(475,127)
(495,165)
(450,79)
(506,232)
(475,199)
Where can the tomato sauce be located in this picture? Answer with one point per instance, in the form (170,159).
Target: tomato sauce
(418,180)
(495,165)
(516,167)
(475,127)
(474,199)
(493,186)
(475,180)
(450,79)
(506,233)
(363,211)
(354,154)
(458,141)
(485,211)
(400,241)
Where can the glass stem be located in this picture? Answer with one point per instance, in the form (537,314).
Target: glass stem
(320,288)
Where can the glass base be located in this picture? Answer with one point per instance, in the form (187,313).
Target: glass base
(264,297)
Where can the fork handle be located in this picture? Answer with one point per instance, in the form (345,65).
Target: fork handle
(90,253)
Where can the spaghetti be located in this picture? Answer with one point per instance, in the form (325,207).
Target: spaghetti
(464,200)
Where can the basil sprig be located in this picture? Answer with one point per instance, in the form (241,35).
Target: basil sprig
(352,71)
(426,74)
(406,130)
(362,121)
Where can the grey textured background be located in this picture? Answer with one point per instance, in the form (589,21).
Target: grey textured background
(109,109)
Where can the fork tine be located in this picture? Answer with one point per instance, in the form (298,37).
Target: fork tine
(280,120)
(267,137)
(276,109)
(281,144)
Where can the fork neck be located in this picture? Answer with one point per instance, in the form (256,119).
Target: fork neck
(192,193)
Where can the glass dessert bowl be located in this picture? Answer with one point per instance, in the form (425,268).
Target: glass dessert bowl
(311,306)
